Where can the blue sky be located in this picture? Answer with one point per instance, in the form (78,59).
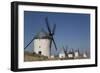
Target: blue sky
(72,29)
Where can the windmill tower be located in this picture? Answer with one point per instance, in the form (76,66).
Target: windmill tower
(85,55)
(62,53)
(77,54)
(66,51)
(71,54)
(43,41)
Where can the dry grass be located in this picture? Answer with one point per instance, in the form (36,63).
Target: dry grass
(34,57)
(28,57)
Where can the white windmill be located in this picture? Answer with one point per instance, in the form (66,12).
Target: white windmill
(85,55)
(71,54)
(43,41)
(62,53)
(77,54)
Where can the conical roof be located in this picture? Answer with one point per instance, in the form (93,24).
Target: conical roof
(42,35)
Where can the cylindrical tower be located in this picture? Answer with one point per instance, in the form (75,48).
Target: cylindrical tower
(42,44)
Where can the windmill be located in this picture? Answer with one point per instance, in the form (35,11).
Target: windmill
(51,33)
(77,53)
(43,40)
(71,54)
(62,53)
(65,50)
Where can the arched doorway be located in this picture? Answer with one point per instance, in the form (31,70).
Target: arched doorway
(39,52)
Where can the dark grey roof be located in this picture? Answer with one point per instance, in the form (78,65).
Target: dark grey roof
(42,35)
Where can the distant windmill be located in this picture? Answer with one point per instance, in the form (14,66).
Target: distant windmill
(77,54)
(65,51)
(43,40)
(71,54)
(85,54)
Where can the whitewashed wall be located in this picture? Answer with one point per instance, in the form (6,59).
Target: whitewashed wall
(42,45)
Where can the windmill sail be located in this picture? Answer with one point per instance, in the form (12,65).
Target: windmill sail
(48,26)
(51,33)
(28,43)
(54,43)
(65,51)
(53,30)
